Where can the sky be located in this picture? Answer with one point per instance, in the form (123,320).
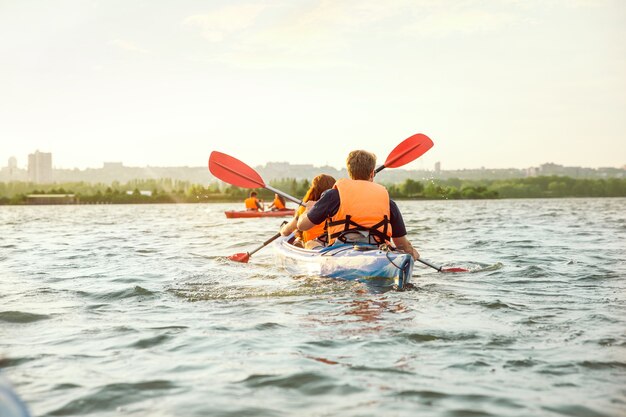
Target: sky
(496,84)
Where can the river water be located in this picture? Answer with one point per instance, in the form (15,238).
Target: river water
(135,310)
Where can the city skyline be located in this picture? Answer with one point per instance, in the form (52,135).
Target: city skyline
(13,162)
(41,171)
(494,84)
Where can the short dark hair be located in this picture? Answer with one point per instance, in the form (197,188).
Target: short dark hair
(252,193)
(360,164)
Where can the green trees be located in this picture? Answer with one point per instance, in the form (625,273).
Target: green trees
(534,187)
(171,191)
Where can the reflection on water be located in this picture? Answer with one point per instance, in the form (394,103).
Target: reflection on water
(136,310)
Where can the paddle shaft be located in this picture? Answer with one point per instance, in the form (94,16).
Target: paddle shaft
(438,268)
(267,242)
(284,194)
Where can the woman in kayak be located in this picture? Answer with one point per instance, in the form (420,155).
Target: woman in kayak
(253,203)
(314,237)
(278,203)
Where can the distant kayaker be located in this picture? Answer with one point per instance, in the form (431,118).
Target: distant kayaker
(315,236)
(253,203)
(358,210)
(278,203)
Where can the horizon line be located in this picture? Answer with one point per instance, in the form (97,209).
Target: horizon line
(623,167)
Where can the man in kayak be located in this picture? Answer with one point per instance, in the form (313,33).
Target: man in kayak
(357,210)
(253,203)
(278,203)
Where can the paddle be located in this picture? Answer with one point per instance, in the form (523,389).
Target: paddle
(244,257)
(235,172)
(407,151)
(442,269)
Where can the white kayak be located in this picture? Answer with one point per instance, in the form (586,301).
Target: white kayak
(360,262)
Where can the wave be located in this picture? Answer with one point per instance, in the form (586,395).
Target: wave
(150,341)
(136,291)
(308,383)
(112,396)
(21,317)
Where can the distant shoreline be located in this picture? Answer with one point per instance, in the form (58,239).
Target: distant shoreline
(167,191)
(240,206)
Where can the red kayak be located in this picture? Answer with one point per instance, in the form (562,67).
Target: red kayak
(233,214)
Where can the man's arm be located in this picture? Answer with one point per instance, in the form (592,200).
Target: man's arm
(318,211)
(398,228)
(404,245)
(303,221)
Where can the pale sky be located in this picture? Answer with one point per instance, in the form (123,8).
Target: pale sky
(509,83)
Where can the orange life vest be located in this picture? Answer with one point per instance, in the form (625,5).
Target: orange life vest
(251,203)
(314,232)
(278,204)
(363,206)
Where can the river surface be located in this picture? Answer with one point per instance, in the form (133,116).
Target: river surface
(134,310)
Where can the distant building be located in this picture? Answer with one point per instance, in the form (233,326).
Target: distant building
(112,165)
(146,193)
(12,167)
(12,173)
(532,172)
(40,167)
(437,167)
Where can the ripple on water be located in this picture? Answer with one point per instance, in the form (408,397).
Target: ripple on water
(469,366)
(386,370)
(600,365)
(521,363)
(15,361)
(21,317)
(136,291)
(576,411)
(308,383)
(150,341)
(65,386)
(438,336)
(268,326)
(497,304)
(111,396)
(429,397)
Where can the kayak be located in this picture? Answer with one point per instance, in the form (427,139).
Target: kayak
(352,262)
(233,214)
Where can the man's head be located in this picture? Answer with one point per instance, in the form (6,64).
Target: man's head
(361,165)
(253,194)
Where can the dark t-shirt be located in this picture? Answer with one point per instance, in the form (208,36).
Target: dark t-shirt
(328,205)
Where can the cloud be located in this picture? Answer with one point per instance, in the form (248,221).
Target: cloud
(329,33)
(217,25)
(127,46)
(464,21)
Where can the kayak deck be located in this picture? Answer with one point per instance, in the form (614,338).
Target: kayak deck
(364,263)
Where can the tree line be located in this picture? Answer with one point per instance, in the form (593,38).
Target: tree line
(174,191)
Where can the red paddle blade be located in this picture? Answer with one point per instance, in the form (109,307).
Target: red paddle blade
(409,150)
(233,171)
(454,270)
(240,257)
